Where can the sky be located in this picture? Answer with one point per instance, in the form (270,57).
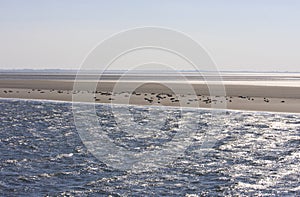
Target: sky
(256,35)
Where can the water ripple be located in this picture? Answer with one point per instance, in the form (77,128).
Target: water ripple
(255,153)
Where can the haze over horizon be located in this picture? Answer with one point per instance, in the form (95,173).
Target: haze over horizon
(240,36)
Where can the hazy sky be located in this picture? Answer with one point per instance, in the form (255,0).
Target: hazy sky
(262,35)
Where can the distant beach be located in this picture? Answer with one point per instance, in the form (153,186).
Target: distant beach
(243,91)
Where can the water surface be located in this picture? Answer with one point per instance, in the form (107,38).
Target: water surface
(42,153)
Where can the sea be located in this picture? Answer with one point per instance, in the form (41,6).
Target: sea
(44,151)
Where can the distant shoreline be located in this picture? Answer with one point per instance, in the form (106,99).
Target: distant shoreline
(27,70)
(236,97)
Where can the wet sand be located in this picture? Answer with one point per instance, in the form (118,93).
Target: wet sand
(240,97)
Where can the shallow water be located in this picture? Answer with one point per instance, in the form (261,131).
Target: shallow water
(251,152)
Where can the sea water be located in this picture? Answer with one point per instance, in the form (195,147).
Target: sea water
(42,152)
